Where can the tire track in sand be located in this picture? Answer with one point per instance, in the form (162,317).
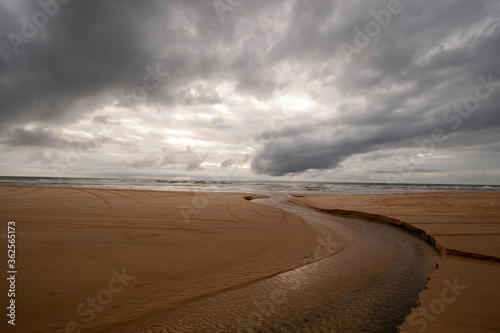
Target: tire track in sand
(11,195)
(127,197)
(129,235)
(232,214)
(76,251)
(11,190)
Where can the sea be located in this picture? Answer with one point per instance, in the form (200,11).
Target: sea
(242,186)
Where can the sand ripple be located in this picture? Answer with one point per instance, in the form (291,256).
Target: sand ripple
(368,287)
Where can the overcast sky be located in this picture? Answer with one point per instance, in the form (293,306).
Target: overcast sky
(355,91)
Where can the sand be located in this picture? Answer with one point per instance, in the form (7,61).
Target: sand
(88,258)
(463,294)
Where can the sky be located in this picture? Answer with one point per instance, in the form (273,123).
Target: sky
(344,91)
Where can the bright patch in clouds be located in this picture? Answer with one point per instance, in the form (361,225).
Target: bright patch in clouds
(260,92)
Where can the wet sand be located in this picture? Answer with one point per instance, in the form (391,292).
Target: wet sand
(90,258)
(463,294)
(368,286)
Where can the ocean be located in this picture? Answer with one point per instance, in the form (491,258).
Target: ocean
(260,187)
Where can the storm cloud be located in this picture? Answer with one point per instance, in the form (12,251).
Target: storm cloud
(330,90)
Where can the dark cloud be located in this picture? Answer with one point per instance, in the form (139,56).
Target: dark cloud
(198,94)
(36,137)
(411,77)
(105,120)
(146,162)
(189,160)
(264,78)
(43,137)
(228,163)
(100,51)
(232,162)
(82,51)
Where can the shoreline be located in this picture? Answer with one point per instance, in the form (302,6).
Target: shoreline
(472,276)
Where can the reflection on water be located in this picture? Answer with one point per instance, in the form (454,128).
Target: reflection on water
(368,287)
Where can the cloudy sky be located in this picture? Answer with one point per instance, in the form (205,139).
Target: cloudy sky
(355,91)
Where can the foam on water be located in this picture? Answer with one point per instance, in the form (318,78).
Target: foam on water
(227,185)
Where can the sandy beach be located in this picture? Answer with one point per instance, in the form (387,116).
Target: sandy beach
(463,294)
(87,258)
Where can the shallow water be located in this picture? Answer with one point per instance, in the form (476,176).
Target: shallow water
(368,287)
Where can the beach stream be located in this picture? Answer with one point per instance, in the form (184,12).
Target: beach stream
(370,286)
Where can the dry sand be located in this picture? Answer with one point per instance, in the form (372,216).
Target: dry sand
(87,258)
(463,294)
